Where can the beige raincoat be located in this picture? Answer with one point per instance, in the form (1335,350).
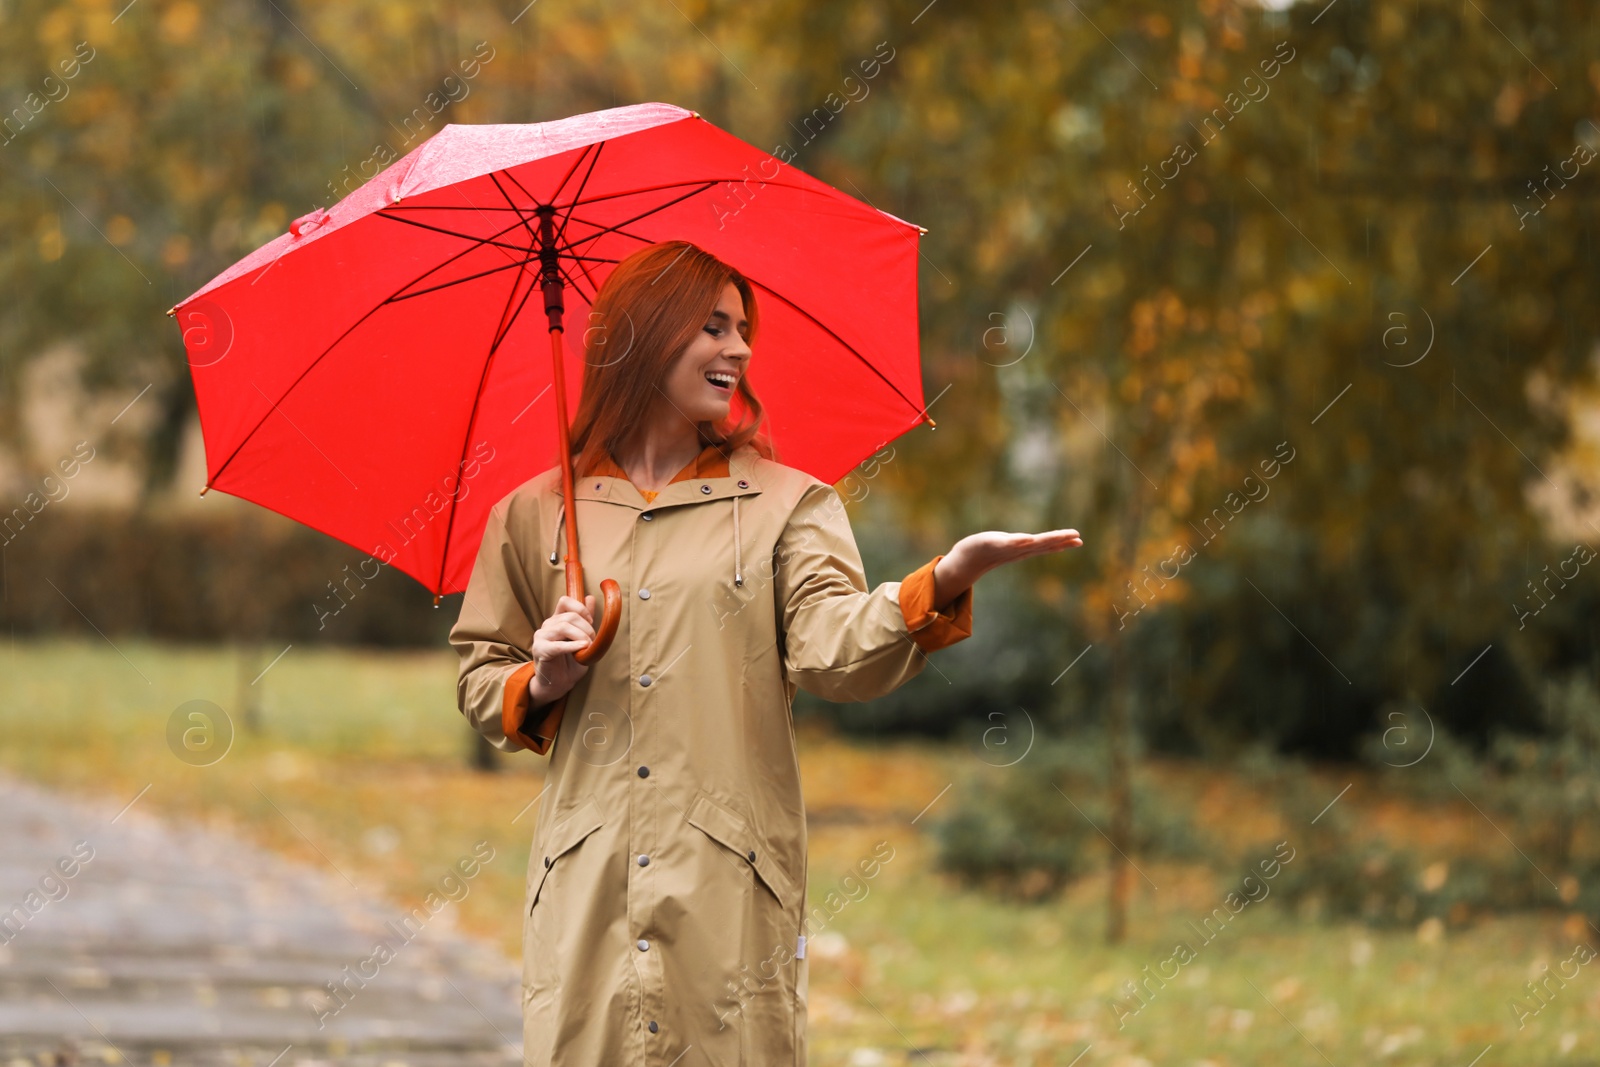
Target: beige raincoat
(665,916)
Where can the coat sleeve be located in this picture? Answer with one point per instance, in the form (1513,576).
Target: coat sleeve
(494,638)
(842,641)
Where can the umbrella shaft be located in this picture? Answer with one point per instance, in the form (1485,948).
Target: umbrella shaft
(574,567)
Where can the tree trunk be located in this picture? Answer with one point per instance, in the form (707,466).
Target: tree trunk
(483,756)
(1119,729)
(246,658)
(1121,830)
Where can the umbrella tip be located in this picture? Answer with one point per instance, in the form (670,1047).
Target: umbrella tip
(436,600)
(203,489)
(173,310)
(922,229)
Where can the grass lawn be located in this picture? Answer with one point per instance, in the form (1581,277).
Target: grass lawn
(359,766)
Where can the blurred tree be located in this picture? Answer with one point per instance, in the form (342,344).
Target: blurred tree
(1374,249)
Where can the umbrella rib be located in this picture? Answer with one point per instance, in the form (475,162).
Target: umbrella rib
(584,267)
(485,273)
(617,227)
(562,184)
(578,288)
(474,238)
(564,274)
(445,207)
(581,260)
(848,347)
(841,198)
(502,332)
(472,417)
(512,203)
(578,196)
(601,231)
(601,226)
(659,207)
(458,281)
(334,344)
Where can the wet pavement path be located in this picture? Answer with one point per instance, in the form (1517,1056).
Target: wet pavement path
(168,945)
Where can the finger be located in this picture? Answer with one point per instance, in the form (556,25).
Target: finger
(564,647)
(1053,537)
(1030,545)
(575,626)
(1054,543)
(588,610)
(570,627)
(567,603)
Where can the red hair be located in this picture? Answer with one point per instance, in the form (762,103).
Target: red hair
(651,306)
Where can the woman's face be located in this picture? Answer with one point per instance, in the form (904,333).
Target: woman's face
(701,381)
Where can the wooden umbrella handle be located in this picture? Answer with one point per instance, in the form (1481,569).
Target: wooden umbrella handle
(610,615)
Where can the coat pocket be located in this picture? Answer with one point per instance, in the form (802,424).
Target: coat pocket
(729,830)
(567,835)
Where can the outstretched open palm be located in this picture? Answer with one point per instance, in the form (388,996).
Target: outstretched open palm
(977,554)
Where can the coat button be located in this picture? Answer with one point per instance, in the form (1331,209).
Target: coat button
(644,594)
(752,855)
(547,861)
(644,772)
(705,489)
(648,516)
(653,1026)
(644,680)
(644,946)
(743,484)
(644,861)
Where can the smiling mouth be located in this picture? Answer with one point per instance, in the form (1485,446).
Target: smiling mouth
(721,380)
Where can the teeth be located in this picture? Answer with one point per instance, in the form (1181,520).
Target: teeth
(720,378)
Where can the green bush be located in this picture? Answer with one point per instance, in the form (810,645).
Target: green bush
(238,575)
(1026,831)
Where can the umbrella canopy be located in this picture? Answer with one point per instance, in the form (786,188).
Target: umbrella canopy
(383,371)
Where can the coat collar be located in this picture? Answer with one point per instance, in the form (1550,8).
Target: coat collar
(608,484)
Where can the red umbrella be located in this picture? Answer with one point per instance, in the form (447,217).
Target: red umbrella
(378,372)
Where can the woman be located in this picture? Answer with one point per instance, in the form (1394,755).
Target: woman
(666,893)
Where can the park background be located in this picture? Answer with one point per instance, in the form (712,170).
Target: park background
(1320,388)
